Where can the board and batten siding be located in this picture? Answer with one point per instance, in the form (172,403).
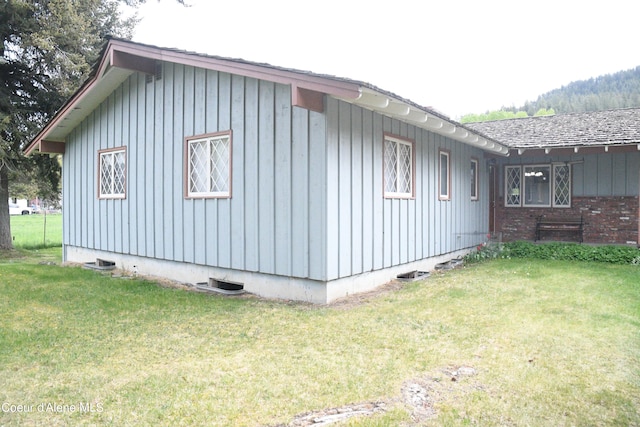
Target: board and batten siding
(307,187)
(367,232)
(274,222)
(593,175)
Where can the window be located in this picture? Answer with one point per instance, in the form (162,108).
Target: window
(444,177)
(536,186)
(474,179)
(562,186)
(112,165)
(513,186)
(209,165)
(398,167)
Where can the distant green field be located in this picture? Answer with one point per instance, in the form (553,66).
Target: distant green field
(36,231)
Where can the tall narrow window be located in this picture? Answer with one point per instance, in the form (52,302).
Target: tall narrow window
(513,185)
(444,179)
(209,165)
(474,179)
(398,167)
(112,173)
(562,186)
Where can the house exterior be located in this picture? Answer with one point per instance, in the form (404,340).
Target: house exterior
(567,166)
(292,184)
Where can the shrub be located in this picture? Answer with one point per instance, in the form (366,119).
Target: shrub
(555,251)
(485,251)
(572,252)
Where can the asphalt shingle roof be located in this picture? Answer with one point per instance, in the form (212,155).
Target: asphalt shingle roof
(598,128)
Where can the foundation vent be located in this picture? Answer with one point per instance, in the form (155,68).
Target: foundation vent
(100,264)
(413,276)
(221,287)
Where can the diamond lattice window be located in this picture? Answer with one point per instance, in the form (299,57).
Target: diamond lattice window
(513,185)
(209,172)
(113,173)
(398,168)
(561,186)
(535,186)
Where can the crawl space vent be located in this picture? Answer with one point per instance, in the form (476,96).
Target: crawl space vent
(413,275)
(101,264)
(221,287)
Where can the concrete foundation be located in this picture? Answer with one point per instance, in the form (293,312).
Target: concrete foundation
(265,285)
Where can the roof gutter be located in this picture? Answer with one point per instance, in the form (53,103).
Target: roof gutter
(122,58)
(392,106)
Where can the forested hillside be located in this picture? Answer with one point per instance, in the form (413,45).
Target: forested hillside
(611,91)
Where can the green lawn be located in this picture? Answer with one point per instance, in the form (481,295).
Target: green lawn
(36,231)
(549,343)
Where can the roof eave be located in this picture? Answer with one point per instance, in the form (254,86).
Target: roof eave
(103,80)
(577,148)
(122,58)
(408,112)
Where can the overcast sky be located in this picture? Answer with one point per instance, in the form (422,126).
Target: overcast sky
(457,56)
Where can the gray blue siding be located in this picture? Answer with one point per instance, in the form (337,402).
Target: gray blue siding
(274,221)
(366,231)
(307,198)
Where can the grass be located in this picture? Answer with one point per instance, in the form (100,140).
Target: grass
(36,231)
(553,343)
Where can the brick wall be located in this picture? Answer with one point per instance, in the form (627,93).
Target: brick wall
(607,220)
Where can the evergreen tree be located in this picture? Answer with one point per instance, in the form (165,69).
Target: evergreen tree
(608,92)
(48,49)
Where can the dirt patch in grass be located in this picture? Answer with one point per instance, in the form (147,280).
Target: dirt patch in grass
(418,396)
(421,395)
(333,415)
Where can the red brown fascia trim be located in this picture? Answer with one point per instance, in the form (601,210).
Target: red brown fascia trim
(307,89)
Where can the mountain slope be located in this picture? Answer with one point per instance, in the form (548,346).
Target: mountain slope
(610,91)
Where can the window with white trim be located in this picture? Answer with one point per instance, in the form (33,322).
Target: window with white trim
(546,185)
(513,185)
(209,165)
(398,167)
(537,186)
(562,186)
(444,177)
(474,179)
(112,175)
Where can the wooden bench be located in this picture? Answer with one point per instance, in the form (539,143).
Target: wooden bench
(559,225)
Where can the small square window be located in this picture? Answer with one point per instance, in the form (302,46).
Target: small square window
(444,177)
(209,165)
(112,166)
(398,167)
